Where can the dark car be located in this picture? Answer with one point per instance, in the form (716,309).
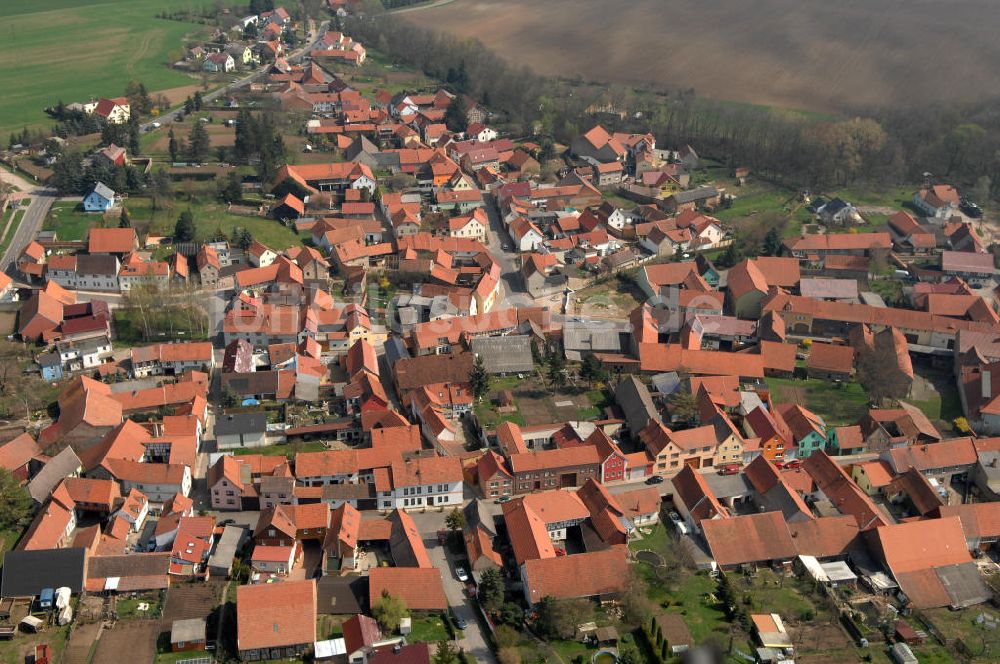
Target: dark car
(655,479)
(971,209)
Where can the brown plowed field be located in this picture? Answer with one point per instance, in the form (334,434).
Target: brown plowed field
(819,55)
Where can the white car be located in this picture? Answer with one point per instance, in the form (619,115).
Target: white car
(462,575)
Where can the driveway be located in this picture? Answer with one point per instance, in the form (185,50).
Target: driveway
(473,641)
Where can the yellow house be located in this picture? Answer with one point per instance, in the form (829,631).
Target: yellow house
(672,450)
(871,476)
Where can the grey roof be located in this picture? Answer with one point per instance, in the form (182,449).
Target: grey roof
(103,265)
(667,382)
(226,548)
(277,484)
(61,466)
(395,349)
(48,359)
(26,573)
(188,630)
(963,583)
(341,595)
(131,565)
(348,491)
(510,354)
(238,423)
(104,191)
(840,289)
(580,338)
(635,401)
(698,194)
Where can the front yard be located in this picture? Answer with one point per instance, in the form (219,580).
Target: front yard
(70,222)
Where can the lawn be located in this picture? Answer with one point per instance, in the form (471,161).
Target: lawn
(936,397)
(211,221)
(692,597)
(656,540)
(836,403)
(282,449)
(69,221)
(129,606)
(16,651)
(429,629)
(15,217)
(77,49)
(961,625)
(167,323)
(755,200)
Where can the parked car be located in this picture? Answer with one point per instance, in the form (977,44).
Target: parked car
(461,574)
(655,479)
(971,209)
(461,623)
(729,469)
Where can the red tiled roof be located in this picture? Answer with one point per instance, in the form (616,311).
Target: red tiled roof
(749,539)
(111,240)
(580,575)
(276,615)
(420,588)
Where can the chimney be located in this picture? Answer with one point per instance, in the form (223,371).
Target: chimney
(986,384)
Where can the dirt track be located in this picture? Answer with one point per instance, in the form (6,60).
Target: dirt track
(804,54)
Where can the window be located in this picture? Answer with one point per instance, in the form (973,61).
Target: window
(673,464)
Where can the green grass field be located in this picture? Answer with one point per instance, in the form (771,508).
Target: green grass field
(836,403)
(211,219)
(69,221)
(75,49)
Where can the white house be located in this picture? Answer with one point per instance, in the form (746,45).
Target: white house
(135,509)
(274,559)
(939,201)
(172,359)
(422,482)
(473,226)
(241,430)
(526,235)
(261,256)
(115,111)
(480,132)
(217,62)
(158,481)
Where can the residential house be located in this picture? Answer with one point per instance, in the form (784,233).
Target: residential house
(276,620)
(938,201)
(219,62)
(241,430)
(100,199)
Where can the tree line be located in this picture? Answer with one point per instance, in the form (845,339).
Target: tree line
(959,143)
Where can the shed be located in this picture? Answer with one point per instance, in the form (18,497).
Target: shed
(31,623)
(901,654)
(329,649)
(672,629)
(221,561)
(606,636)
(187,634)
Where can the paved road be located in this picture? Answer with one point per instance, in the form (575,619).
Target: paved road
(31,223)
(513,293)
(292,57)
(472,641)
